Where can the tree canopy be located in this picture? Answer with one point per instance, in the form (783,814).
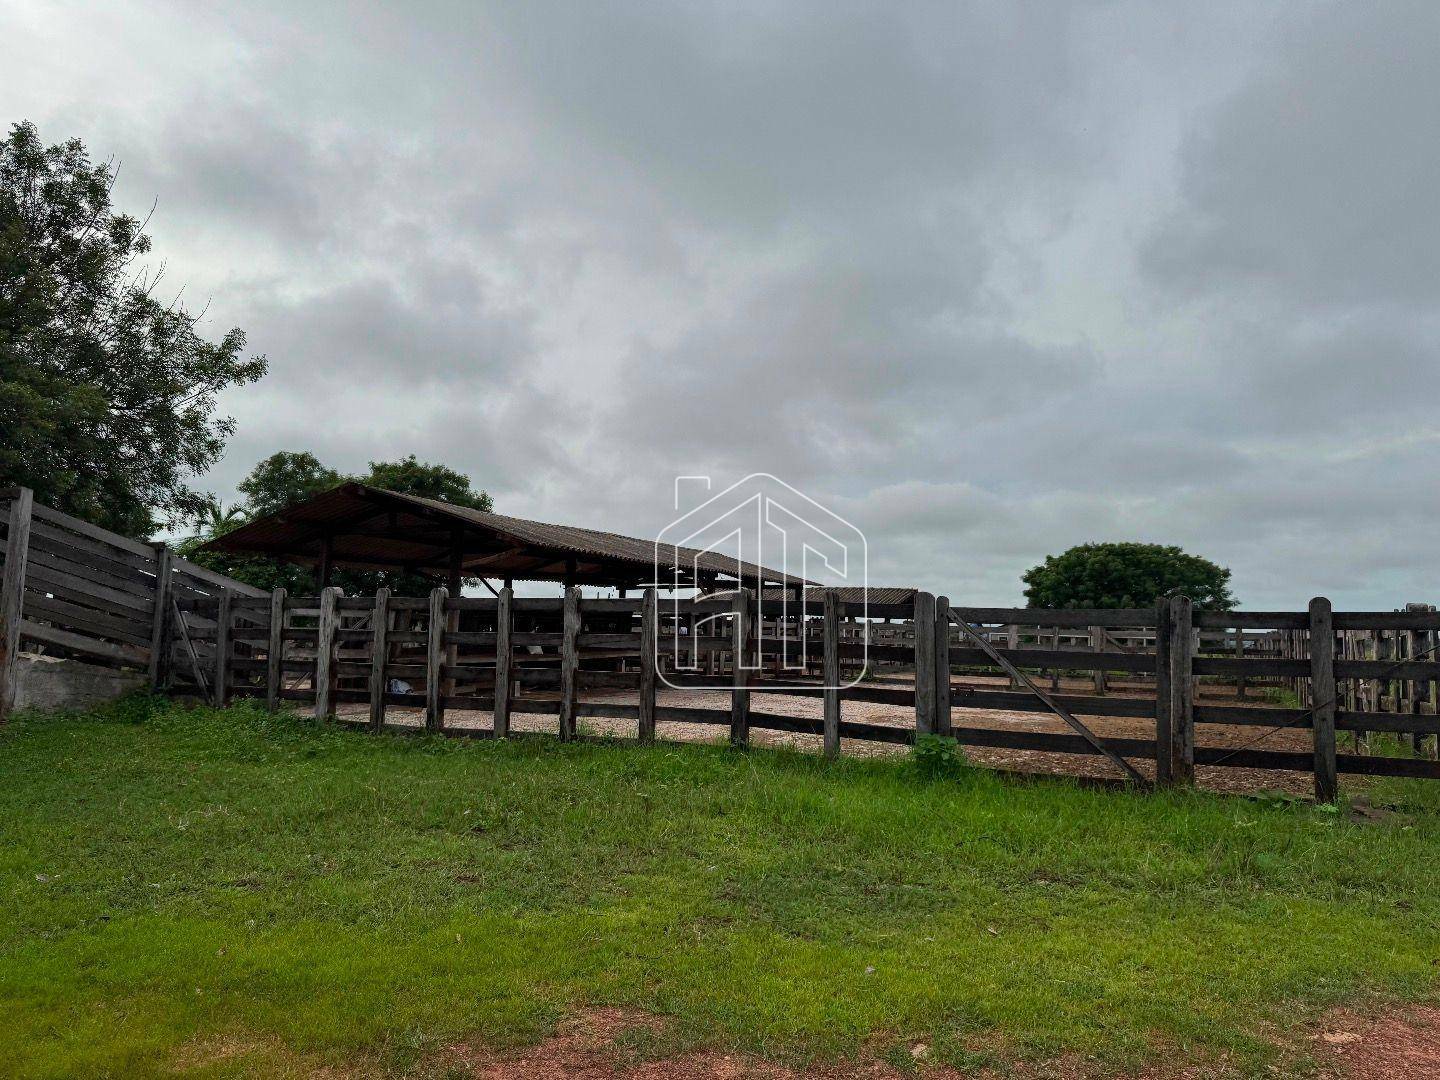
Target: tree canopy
(290,476)
(1125,575)
(107,392)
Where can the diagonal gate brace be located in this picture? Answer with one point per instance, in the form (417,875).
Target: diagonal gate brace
(1053,705)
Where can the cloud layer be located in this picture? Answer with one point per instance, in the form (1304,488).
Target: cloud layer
(989,279)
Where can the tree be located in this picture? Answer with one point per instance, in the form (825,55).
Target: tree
(285,477)
(107,394)
(411,477)
(289,476)
(1125,576)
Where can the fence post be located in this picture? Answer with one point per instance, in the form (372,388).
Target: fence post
(325,652)
(275,651)
(379,655)
(739,694)
(570,663)
(503,606)
(831,672)
(12,596)
(1097,642)
(649,647)
(1240,655)
(1322,696)
(924,620)
(160,622)
(223,620)
(1164,720)
(942,665)
(1182,714)
(434,657)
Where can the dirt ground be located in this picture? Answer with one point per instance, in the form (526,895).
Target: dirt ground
(1214,778)
(1401,1045)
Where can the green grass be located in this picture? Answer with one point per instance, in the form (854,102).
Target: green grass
(325,896)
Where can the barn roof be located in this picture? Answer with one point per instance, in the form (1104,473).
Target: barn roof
(366,527)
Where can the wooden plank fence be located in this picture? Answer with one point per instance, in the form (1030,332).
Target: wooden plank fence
(75,590)
(518,655)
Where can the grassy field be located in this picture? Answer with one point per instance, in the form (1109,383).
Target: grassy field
(319,896)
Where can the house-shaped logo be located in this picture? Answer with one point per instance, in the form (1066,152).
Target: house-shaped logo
(764,535)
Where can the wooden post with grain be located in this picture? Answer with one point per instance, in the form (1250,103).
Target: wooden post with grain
(942,665)
(12,596)
(1182,712)
(223,621)
(504,603)
(379,654)
(739,692)
(275,651)
(831,673)
(649,647)
(325,652)
(1322,697)
(570,663)
(1164,702)
(434,660)
(924,624)
(159,670)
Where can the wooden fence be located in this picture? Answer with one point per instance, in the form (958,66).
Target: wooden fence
(72,589)
(515,655)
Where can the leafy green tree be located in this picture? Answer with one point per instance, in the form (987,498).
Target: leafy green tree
(1125,575)
(107,392)
(412,477)
(288,477)
(285,477)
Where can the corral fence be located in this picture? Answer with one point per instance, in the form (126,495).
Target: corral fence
(73,590)
(513,655)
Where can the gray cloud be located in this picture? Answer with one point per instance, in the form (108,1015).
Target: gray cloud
(990,279)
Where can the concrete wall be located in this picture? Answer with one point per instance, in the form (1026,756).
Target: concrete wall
(49,684)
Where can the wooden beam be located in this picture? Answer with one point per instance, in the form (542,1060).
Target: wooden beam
(831,673)
(1182,697)
(379,655)
(942,665)
(1164,720)
(739,692)
(924,626)
(649,648)
(434,654)
(223,621)
(325,653)
(12,596)
(569,664)
(503,621)
(1322,698)
(159,637)
(275,651)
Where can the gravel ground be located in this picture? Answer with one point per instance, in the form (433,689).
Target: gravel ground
(1240,781)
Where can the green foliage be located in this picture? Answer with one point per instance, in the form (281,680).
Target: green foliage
(107,392)
(290,476)
(412,477)
(1125,576)
(937,757)
(315,900)
(285,477)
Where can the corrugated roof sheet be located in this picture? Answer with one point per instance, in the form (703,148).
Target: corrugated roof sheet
(349,513)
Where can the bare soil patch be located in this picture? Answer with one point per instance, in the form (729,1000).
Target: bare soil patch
(1213,778)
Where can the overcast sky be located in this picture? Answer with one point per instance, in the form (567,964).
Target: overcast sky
(990,280)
